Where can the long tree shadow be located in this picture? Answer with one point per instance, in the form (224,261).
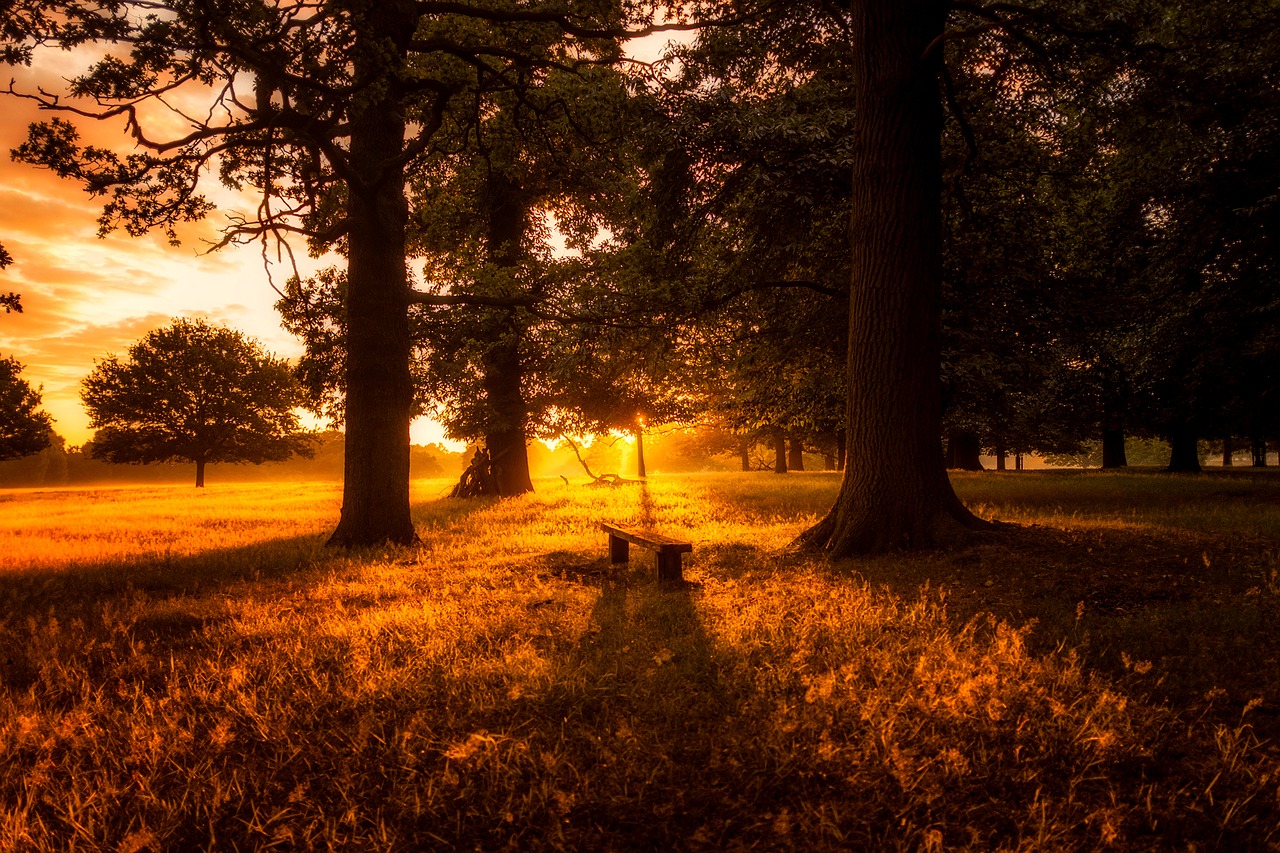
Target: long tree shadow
(1174,615)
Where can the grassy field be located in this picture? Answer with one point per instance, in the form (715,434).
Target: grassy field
(186,669)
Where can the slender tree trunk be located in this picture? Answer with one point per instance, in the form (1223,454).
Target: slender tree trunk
(1183,455)
(640,472)
(895,492)
(1228,451)
(375,490)
(744,453)
(828,462)
(779,452)
(199,473)
(842,449)
(1113,454)
(795,455)
(1258,446)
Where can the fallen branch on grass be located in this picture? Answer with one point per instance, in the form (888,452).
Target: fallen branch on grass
(612,480)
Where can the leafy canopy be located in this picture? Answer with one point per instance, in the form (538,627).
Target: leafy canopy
(197,392)
(23,430)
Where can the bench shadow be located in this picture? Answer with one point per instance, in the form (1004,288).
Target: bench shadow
(641,692)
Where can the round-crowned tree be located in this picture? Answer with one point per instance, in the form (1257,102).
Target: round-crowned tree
(23,430)
(196,392)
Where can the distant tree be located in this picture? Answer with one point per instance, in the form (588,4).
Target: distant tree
(9,301)
(23,430)
(196,392)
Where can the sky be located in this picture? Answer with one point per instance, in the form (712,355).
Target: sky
(86,297)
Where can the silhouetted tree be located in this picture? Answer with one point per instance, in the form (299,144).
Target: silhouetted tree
(196,392)
(23,430)
(321,111)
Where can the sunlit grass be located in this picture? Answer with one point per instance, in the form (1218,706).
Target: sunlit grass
(192,670)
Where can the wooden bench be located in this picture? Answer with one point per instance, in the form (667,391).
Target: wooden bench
(667,550)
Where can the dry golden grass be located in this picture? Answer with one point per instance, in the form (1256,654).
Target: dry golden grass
(188,670)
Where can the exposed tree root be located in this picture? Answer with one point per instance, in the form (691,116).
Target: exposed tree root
(478,479)
(844,532)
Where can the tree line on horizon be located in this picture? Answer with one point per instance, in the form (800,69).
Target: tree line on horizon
(861,228)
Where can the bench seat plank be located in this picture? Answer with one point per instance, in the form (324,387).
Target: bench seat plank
(666,549)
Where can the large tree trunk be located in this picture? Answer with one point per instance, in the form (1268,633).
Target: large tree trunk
(505,438)
(779,452)
(1183,455)
(200,473)
(964,451)
(795,455)
(1228,452)
(375,489)
(503,368)
(744,452)
(895,492)
(1113,453)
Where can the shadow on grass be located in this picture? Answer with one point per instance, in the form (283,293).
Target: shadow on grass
(637,726)
(1177,616)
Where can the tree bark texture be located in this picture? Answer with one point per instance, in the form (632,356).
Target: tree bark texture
(503,368)
(200,473)
(779,452)
(795,455)
(375,493)
(744,453)
(505,438)
(1113,453)
(895,492)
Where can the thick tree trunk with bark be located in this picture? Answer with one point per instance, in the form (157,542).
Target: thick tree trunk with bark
(895,492)
(779,452)
(1113,453)
(1183,455)
(505,438)
(744,453)
(200,473)
(795,455)
(1228,451)
(964,451)
(375,492)
(503,368)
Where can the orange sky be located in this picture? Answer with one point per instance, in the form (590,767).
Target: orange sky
(85,297)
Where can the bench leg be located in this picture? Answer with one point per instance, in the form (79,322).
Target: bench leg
(618,550)
(669,568)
